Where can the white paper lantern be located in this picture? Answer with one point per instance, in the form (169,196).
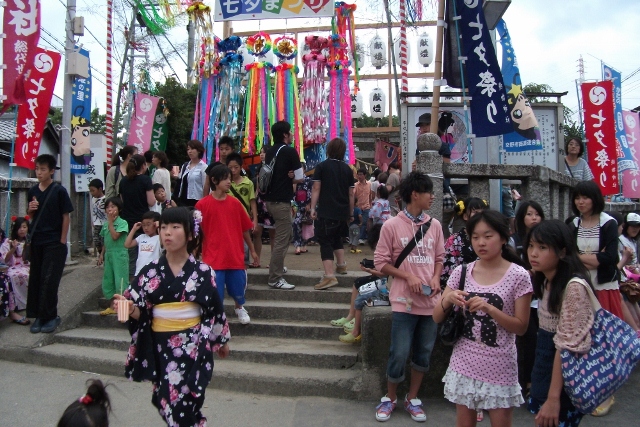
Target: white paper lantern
(425,50)
(396,47)
(378,51)
(356,105)
(377,100)
(359,48)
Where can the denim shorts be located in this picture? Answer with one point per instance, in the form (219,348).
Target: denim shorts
(410,332)
(361,299)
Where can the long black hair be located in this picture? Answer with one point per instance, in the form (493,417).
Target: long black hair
(498,222)
(16,226)
(556,235)
(91,410)
(521,229)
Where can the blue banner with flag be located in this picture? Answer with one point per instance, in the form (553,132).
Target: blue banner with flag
(489,108)
(625,159)
(526,135)
(81,121)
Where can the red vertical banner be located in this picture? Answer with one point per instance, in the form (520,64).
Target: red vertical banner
(32,115)
(631,177)
(141,127)
(600,132)
(21,28)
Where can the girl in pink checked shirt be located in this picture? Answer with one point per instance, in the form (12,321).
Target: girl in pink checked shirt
(483,371)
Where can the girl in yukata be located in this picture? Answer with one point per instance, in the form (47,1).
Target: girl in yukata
(18,271)
(177,322)
(483,372)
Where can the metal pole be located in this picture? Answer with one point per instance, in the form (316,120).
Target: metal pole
(109,112)
(65,134)
(124,58)
(191,28)
(11,166)
(132,58)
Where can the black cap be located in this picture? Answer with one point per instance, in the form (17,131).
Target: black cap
(424,119)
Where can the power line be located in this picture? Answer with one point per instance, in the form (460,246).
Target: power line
(61,44)
(165,58)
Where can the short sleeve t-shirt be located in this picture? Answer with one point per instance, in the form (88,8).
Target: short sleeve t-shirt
(223,222)
(98,215)
(281,189)
(134,198)
(362,194)
(246,192)
(486,351)
(49,227)
(393,181)
(121,226)
(148,250)
(336,179)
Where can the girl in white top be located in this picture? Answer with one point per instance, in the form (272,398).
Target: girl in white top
(161,175)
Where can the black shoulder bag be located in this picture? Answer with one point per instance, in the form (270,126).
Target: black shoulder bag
(26,250)
(412,244)
(241,200)
(451,327)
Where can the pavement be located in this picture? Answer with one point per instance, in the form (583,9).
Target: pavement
(37,396)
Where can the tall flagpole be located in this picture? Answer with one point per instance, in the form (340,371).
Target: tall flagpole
(435,105)
(109,112)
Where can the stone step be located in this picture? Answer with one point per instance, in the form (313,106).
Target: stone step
(310,330)
(305,278)
(229,374)
(272,351)
(337,294)
(289,310)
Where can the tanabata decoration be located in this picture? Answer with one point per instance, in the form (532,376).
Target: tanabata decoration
(224,109)
(208,68)
(287,99)
(313,105)
(259,108)
(343,31)
(150,15)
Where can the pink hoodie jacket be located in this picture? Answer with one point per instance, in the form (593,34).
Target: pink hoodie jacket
(394,236)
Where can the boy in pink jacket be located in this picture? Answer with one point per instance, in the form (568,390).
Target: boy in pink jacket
(419,274)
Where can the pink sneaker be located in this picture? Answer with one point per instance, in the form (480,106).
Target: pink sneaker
(385,408)
(414,407)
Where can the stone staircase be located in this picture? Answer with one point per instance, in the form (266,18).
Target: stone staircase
(288,349)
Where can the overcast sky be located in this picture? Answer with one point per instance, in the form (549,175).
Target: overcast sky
(548,37)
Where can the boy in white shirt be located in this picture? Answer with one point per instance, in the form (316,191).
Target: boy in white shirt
(98,214)
(148,243)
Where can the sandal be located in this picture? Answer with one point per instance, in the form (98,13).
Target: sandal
(304,251)
(348,326)
(22,321)
(298,251)
(339,322)
(479,416)
(254,266)
(603,409)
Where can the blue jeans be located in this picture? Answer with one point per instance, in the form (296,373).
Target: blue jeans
(410,331)
(363,227)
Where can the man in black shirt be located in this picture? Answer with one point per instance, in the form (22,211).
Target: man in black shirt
(286,172)
(49,206)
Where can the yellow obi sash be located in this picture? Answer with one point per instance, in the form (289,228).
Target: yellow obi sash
(175,316)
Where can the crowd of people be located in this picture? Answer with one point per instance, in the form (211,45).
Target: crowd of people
(169,251)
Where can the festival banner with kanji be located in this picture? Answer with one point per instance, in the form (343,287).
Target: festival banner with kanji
(525,124)
(160,132)
(142,120)
(32,115)
(229,10)
(600,132)
(81,153)
(625,160)
(21,28)
(631,177)
(489,108)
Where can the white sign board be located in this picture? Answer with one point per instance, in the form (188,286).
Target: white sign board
(234,10)
(96,167)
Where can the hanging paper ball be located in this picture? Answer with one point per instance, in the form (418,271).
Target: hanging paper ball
(425,50)
(259,44)
(378,51)
(356,105)
(285,47)
(396,48)
(377,100)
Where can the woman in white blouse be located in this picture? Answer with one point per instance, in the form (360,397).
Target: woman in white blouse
(192,175)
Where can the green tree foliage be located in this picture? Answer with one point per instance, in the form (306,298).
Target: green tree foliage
(98,122)
(571,128)
(369,122)
(55,114)
(181,103)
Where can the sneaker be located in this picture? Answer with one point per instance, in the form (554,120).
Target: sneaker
(350,339)
(50,326)
(243,316)
(36,326)
(282,284)
(362,242)
(107,311)
(385,408)
(326,283)
(341,269)
(414,407)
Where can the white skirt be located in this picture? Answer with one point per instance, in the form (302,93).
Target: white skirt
(476,394)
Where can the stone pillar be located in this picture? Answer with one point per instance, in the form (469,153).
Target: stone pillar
(430,163)
(479,187)
(538,189)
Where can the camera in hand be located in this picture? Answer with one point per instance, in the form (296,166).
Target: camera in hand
(367,263)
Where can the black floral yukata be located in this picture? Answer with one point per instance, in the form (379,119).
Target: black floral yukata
(180,363)
(457,251)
